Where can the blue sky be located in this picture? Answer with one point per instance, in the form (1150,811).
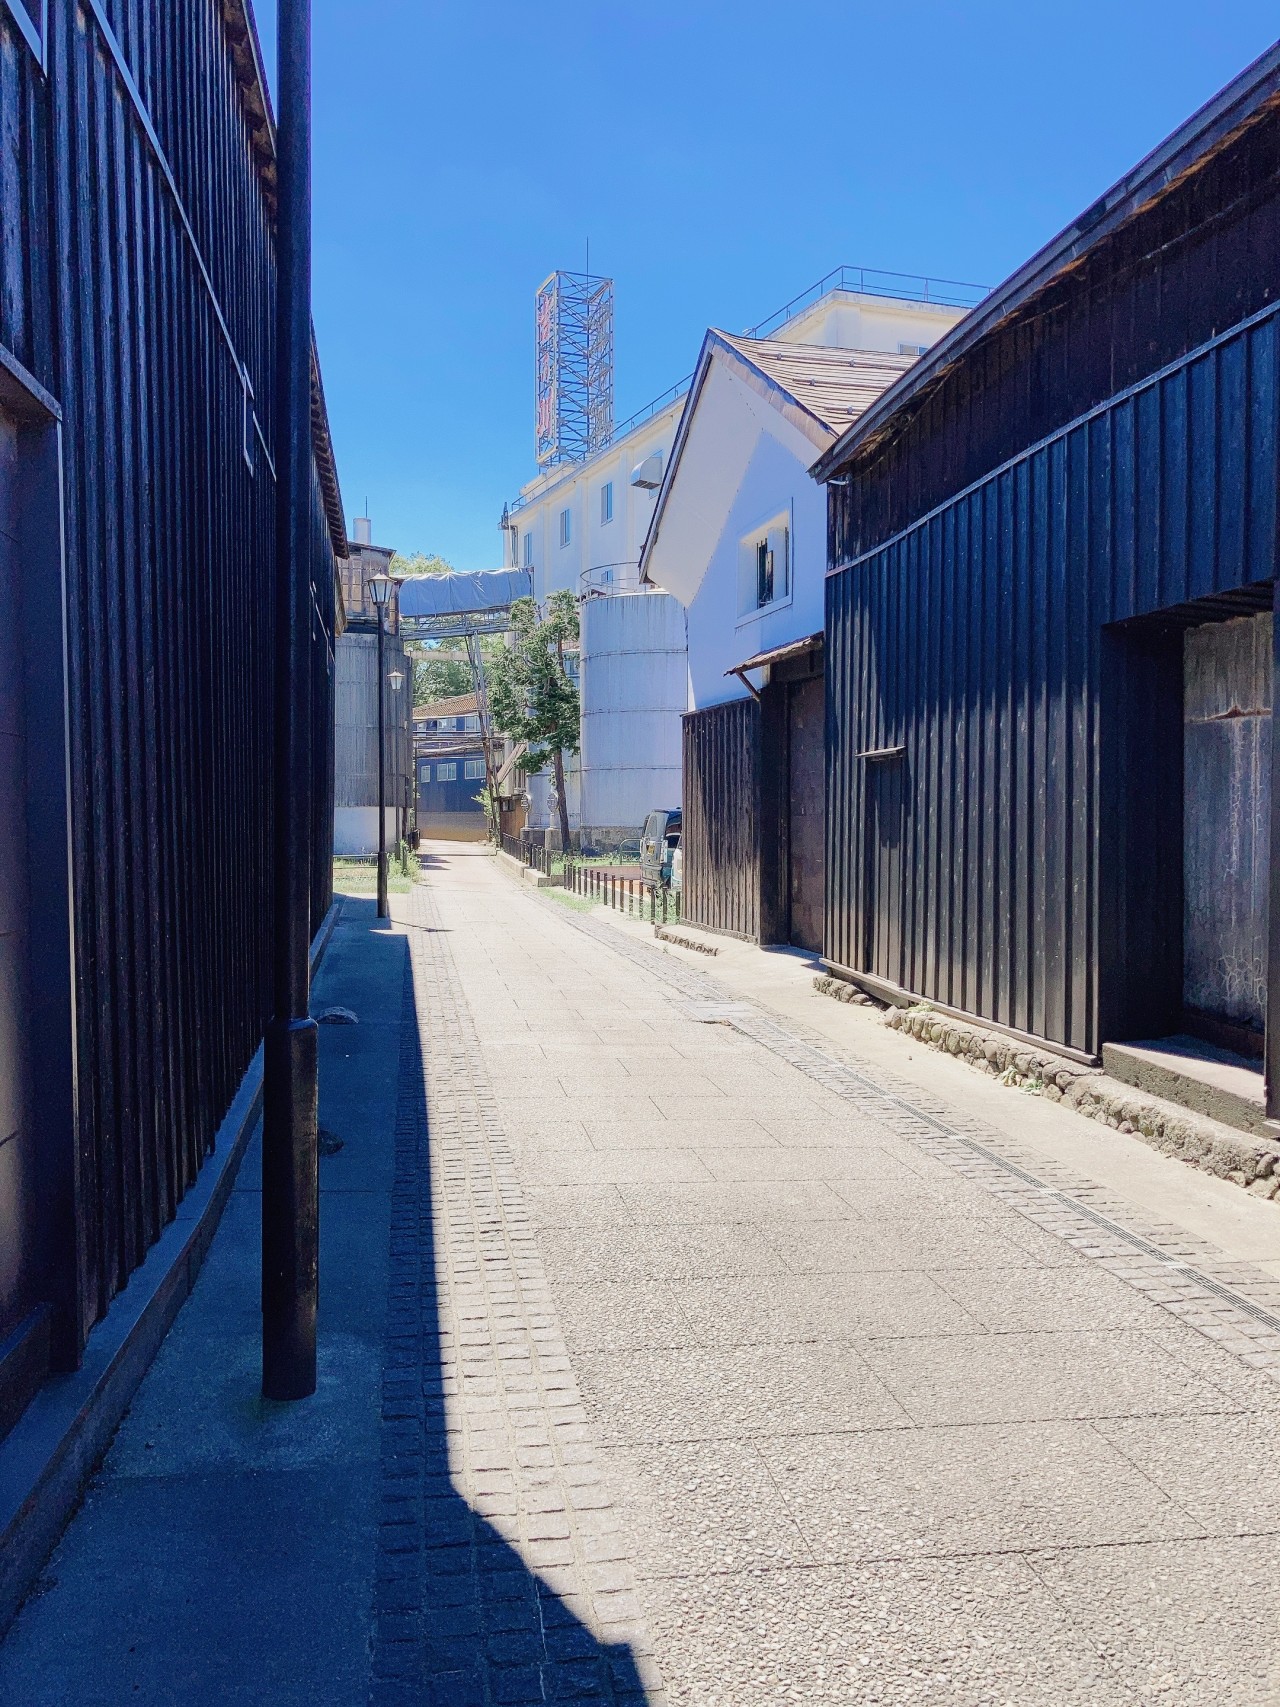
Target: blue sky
(718,157)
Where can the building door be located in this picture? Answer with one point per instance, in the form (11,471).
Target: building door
(806,862)
(882,867)
(1227,669)
(20,1253)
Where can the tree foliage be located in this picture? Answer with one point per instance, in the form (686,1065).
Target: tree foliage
(420,563)
(531,693)
(439,678)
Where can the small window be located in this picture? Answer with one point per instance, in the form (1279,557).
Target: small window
(764,572)
(447,772)
(473,769)
(471,723)
(912,349)
(564,527)
(527,554)
(606,502)
(32,19)
(424,774)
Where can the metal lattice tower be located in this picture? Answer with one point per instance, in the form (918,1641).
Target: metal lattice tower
(574,407)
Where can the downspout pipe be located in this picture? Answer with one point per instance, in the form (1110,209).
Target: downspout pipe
(290,1151)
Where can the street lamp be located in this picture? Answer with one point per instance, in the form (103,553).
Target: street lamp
(380,592)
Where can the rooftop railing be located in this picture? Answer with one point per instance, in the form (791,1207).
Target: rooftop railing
(857,281)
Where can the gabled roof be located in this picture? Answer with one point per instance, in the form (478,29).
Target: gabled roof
(817,388)
(1243,102)
(835,386)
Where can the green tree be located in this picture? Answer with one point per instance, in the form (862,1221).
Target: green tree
(420,563)
(531,693)
(439,678)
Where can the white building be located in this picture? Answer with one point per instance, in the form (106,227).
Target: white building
(739,538)
(584,527)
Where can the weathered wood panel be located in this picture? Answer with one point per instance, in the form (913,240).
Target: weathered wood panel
(721,824)
(1227,818)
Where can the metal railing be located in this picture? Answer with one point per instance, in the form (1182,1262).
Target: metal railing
(606,886)
(607,578)
(861,281)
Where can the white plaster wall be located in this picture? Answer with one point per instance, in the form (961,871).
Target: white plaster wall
(775,478)
(592,543)
(355,831)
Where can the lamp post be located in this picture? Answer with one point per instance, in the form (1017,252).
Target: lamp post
(380,592)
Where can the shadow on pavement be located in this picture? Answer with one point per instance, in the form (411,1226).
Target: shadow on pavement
(460,1619)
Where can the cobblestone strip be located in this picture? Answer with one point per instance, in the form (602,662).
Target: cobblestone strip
(1232,1304)
(504,1575)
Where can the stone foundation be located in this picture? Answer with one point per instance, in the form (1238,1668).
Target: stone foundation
(1206,1144)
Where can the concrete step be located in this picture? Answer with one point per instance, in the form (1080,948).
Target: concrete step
(1199,1076)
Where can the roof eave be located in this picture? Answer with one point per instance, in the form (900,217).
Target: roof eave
(1231,111)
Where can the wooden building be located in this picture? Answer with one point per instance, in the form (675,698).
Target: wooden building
(1048,623)
(137,569)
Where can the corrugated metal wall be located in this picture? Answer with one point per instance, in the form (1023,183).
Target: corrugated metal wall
(136,294)
(721,825)
(975,641)
(356,721)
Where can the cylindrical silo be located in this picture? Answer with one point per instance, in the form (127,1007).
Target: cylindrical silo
(635,674)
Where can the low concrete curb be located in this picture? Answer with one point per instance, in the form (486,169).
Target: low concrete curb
(57,1443)
(665,934)
(1249,1161)
(525,873)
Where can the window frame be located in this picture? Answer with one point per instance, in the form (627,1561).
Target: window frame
(606,503)
(753,545)
(566,527)
(527,551)
(473,770)
(449,765)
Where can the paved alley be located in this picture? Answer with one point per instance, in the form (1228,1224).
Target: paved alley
(671,1355)
(881,1421)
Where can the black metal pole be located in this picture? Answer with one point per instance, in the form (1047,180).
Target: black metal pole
(290,1177)
(383,909)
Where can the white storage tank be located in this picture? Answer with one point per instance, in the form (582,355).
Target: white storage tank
(635,674)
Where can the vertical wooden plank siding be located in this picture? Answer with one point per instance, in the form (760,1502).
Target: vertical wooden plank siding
(135,294)
(974,639)
(721,824)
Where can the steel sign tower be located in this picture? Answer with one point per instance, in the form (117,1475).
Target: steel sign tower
(574,383)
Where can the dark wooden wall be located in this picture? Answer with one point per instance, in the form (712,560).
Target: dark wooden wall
(1035,771)
(721,825)
(136,282)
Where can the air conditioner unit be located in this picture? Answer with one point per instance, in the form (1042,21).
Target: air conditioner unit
(648,474)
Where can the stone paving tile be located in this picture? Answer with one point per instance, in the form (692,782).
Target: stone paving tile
(1028,1300)
(1223,1470)
(842,1247)
(733,1394)
(801,1201)
(701,1508)
(807,1162)
(640,1316)
(843,1308)
(657,1131)
(612,1167)
(941,1492)
(969,1633)
(571,1205)
(1191,1623)
(1026,1377)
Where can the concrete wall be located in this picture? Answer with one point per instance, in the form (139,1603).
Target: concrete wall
(355,831)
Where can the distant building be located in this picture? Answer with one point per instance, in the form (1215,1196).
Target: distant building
(449,759)
(355,810)
(739,538)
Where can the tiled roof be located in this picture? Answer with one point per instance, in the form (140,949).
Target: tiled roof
(834,385)
(461,705)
